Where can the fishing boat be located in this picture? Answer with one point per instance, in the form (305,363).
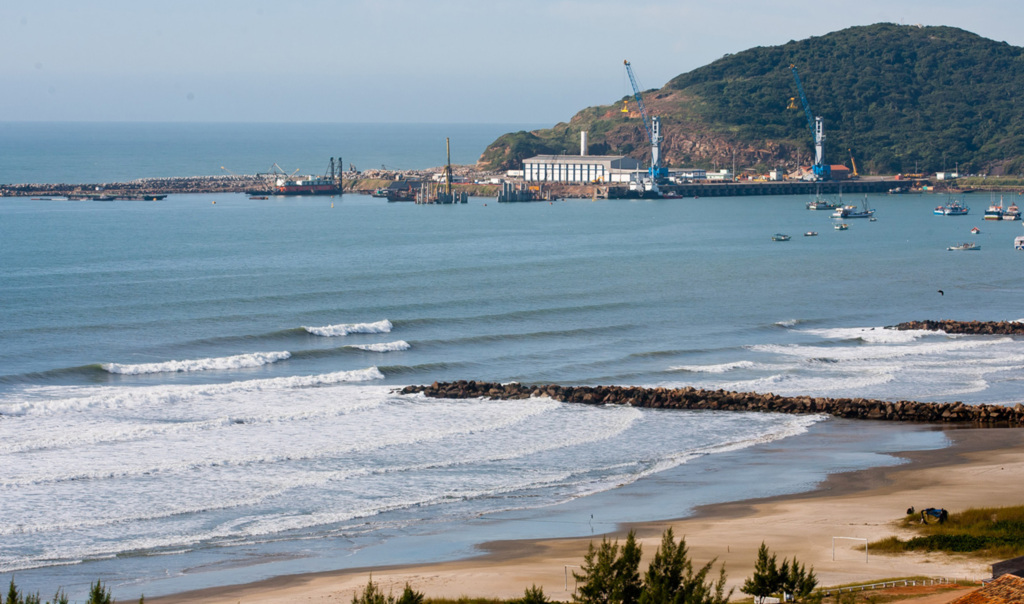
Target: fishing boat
(955,208)
(964,247)
(811,234)
(1018,243)
(842,226)
(1012,212)
(780,237)
(854,211)
(995,212)
(823,203)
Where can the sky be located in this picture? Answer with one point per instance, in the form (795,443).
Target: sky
(399,61)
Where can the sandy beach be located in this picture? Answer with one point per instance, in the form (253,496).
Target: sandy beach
(981,468)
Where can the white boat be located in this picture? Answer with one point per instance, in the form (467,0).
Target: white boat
(953,209)
(823,203)
(964,247)
(1012,212)
(854,211)
(780,237)
(811,234)
(995,212)
(1018,243)
(842,226)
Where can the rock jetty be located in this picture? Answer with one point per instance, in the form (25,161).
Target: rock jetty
(966,327)
(722,400)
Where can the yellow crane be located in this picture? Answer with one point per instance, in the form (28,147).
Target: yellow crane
(853,164)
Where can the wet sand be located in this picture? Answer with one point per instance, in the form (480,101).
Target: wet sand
(982,468)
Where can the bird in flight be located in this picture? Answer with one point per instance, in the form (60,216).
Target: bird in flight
(942,293)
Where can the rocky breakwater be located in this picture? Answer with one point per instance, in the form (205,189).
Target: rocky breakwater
(723,400)
(966,327)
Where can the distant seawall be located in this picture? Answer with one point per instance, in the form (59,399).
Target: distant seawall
(722,400)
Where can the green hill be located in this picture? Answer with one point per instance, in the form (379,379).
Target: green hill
(902,98)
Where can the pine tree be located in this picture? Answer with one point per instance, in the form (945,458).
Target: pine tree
(533,595)
(765,581)
(627,572)
(670,578)
(13,595)
(597,574)
(665,573)
(410,596)
(372,594)
(98,594)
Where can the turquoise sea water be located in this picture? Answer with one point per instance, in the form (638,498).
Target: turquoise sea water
(196,393)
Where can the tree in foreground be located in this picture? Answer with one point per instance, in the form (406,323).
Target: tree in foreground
(611,575)
(670,578)
(533,595)
(372,594)
(770,579)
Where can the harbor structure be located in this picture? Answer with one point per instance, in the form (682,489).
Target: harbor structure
(580,169)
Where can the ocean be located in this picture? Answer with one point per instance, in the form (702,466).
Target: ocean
(202,390)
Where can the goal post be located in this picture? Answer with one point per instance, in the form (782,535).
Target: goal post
(850,539)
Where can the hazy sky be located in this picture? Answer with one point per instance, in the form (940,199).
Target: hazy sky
(497,61)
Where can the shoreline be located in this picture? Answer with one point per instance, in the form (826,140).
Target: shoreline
(859,504)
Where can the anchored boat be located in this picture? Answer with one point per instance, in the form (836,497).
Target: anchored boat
(955,208)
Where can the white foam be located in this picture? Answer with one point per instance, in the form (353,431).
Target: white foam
(343,329)
(119,397)
(240,361)
(719,368)
(383,347)
(874,335)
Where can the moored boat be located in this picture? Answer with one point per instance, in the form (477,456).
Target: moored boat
(780,237)
(994,211)
(1018,243)
(822,203)
(975,230)
(954,208)
(842,226)
(854,212)
(811,234)
(964,247)
(1012,212)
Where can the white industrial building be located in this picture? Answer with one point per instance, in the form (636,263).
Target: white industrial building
(581,168)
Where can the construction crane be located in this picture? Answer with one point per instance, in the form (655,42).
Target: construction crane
(651,125)
(853,164)
(820,169)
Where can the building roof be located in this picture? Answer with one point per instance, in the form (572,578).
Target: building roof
(620,162)
(1007,589)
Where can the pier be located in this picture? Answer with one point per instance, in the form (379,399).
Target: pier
(785,187)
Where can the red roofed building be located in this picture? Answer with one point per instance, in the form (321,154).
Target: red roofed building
(1007,589)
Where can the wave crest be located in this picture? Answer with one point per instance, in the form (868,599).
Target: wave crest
(239,361)
(343,329)
(382,347)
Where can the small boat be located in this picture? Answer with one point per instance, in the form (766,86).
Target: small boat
(975,230)
(1018,243)
(811,234)
(1012,212)
(259,197)
(955,208)
(780,237)
(842,226)
(964,247)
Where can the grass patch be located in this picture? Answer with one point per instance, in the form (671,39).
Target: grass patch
(988,532)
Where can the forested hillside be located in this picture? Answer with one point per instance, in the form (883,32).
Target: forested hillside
(902,98)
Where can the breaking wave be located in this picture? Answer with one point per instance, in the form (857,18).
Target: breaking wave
(239,361)
(383,347)
(343,329)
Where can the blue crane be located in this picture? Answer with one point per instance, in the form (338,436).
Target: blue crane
(821,170)
(651,125)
